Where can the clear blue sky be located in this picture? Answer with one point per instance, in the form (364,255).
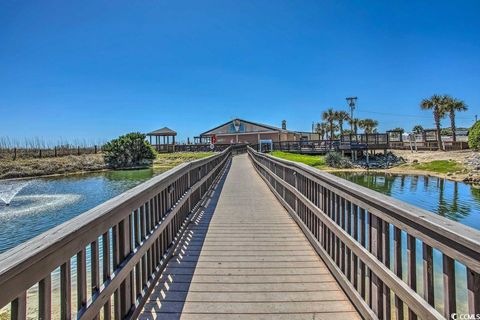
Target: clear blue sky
(97,69)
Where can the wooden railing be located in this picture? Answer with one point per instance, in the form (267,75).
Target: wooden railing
(371,244)
(200,147)
(115,251)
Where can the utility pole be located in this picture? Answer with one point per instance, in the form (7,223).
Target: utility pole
(351,103)
(476,118)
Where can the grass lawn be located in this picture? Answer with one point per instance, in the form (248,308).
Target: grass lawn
(311,160)
(170,160)
(439,166)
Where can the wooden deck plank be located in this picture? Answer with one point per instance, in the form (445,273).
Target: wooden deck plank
(263,316)
(312,296)
(245,258)
(229,307)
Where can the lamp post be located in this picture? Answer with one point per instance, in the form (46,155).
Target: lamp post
(351,103)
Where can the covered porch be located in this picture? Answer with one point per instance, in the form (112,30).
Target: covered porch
(163,140)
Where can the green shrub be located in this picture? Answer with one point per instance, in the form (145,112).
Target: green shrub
(128,151)
(474,136)
(336,160)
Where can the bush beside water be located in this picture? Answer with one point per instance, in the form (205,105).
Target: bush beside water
(130,150)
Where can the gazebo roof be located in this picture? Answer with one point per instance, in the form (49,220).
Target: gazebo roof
(162,132)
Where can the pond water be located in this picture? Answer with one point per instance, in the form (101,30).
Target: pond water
(454,200)
(40,204)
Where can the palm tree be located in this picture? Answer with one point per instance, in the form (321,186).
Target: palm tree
(437,104)
(354,124)
(324,127)
(321,129)
(368,125)
(341,117)
(451,106)
(330,117)
(417,129)
(398,129)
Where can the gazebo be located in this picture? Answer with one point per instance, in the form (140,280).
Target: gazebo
(160,139)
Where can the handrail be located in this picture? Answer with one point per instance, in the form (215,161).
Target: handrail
(124,243)
(350,227)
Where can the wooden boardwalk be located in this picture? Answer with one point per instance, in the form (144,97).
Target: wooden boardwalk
(245,258)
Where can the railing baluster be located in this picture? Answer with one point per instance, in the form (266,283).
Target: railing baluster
(81,279)
(337,220)
(376,299)
(397,253)
(45,298)
(428,292)
(19,307)
(348,228)
(125,287)
(152,226)
(449,296)
(386,261)
(473,287)
(138,267)
(342,245)
(65,291)
(116,262)
(369,271)
(362,264)
(95,275)
(131,247)
(107,307)
(412,268)
(148,230)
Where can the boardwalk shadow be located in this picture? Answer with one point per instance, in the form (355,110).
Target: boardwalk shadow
(168,298)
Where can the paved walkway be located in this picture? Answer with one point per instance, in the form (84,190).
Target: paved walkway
(245,258)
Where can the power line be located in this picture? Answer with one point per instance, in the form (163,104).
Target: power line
(407,115)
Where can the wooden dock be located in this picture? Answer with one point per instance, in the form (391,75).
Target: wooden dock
(246,236)
(244,257)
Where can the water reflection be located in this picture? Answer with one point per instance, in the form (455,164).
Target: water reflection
(457,201)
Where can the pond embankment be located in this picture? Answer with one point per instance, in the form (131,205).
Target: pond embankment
(22,168)
(41,167)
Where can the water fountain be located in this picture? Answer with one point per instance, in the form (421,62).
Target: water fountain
(9,189)
(14,204)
